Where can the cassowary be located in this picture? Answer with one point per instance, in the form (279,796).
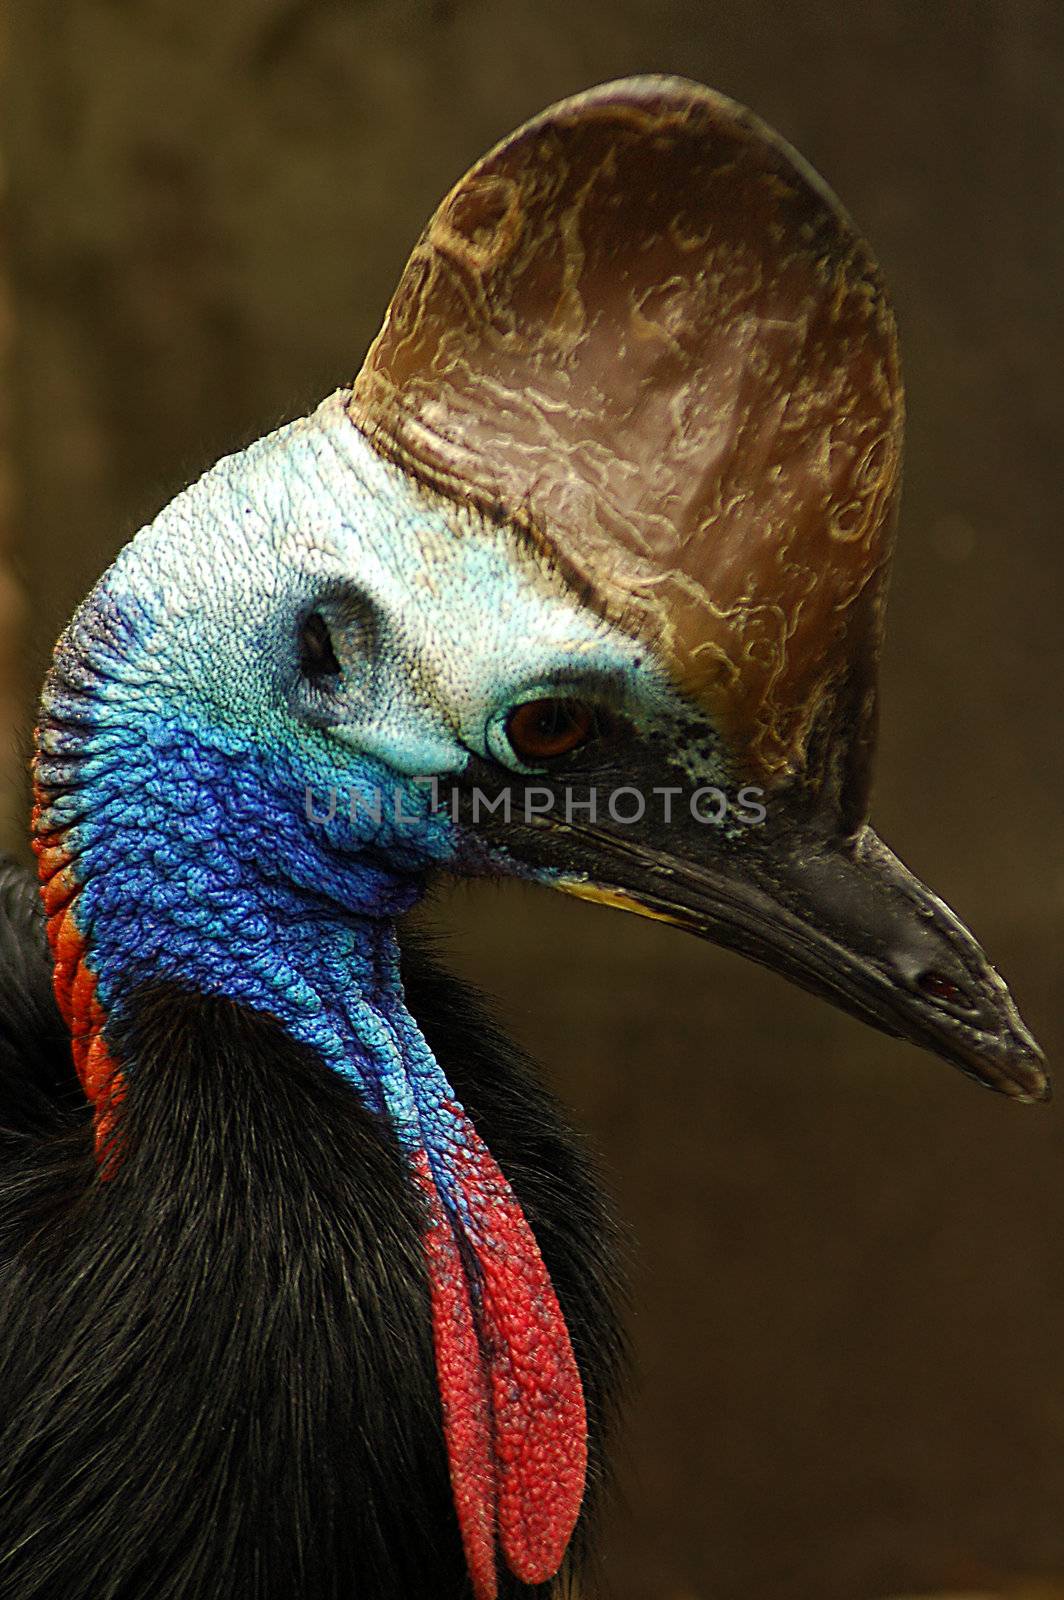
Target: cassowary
(308,1288)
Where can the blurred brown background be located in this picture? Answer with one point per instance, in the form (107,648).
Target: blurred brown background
(850,1262)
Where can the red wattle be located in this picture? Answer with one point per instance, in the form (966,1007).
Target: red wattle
(464,1392)
(513,1403)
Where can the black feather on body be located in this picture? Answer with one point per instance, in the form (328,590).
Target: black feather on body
(216,1367)
(36,1068)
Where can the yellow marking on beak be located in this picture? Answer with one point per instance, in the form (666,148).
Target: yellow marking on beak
(600,895)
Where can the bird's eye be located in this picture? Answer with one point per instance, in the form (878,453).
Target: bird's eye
(317,658)
(539,730)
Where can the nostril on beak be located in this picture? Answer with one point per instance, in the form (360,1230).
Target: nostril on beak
(938,987)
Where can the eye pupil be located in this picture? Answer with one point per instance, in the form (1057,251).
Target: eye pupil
(553,726)
(317,658)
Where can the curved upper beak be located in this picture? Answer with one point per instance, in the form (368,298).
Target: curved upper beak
(842,918)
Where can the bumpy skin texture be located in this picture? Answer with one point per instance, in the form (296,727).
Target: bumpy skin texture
(645,327)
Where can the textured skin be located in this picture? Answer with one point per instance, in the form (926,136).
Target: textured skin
(505,1413)
(643,326)
(175,844)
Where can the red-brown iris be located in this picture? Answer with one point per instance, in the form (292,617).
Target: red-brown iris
(539,730)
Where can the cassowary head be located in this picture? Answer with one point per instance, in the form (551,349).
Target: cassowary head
(581,581)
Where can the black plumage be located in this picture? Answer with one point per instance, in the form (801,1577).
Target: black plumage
(217,1365)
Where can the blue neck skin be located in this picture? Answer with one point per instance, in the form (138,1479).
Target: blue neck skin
(198,863)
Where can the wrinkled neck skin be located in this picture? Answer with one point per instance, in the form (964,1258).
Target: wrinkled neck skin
(180,857)
(175,844)
(169,852)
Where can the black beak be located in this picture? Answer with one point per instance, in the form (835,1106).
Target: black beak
(843,919)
